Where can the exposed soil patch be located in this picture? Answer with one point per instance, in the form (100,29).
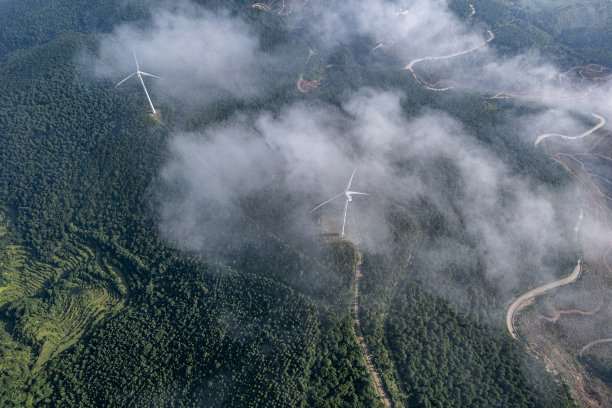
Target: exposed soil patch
(281,7)
(307,86)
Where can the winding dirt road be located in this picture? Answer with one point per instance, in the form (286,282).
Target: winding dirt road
(411,64)
(364,347)
(602,122)
(528,297)
(590,76)
(594,343)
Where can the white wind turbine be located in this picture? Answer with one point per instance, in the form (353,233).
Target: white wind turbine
(348,197)
(140,73)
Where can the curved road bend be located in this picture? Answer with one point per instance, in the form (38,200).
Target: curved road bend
(593,343)
(364,347)
(601,123)
(412,63)
(525,299)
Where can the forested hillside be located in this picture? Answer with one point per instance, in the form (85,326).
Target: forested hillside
(99,308)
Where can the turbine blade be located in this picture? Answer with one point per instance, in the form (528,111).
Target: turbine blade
(351,180)
(125,79)
(136,59)
(344,217)
(355,192)
(321,205)
(151,75)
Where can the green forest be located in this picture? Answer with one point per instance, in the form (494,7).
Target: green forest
(98,309)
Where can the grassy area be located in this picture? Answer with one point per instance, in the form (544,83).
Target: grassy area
(51,305)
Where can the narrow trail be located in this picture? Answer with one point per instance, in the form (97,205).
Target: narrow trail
(592,312)
(364,347)
(528,297)
(601,123)
(594,343)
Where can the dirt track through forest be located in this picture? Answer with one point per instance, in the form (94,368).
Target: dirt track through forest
(364,347)
(591,76)
(594,343)
(411,64)
(528,297)
(601,123)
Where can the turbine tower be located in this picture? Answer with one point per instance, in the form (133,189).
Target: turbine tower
(348,197)
(140,73)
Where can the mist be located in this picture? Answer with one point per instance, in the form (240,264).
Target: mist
(203,56)
(306,154)
(293,158)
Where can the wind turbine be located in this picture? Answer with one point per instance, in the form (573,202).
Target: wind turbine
(348,197)
(140,73)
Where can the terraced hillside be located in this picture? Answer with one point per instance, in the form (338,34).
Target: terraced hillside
(20,276)
(51,305)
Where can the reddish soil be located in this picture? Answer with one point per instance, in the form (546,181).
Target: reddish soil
(307,86)
(281,7)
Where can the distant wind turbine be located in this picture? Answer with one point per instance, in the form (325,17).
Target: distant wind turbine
(140,73)
(348,197)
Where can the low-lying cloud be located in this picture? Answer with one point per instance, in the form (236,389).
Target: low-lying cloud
(202,55)
(308,152)
(304,152)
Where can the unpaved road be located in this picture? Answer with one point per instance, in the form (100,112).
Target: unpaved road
(593,343)
(601,123)
(364,347)
(528,297)
(412,63)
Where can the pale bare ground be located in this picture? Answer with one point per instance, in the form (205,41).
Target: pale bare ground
(594,343)
(523,300)
(602,122)
(364,347)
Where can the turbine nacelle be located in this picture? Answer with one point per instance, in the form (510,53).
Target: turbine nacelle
(349,194)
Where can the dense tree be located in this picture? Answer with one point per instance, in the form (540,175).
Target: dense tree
(97,310)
